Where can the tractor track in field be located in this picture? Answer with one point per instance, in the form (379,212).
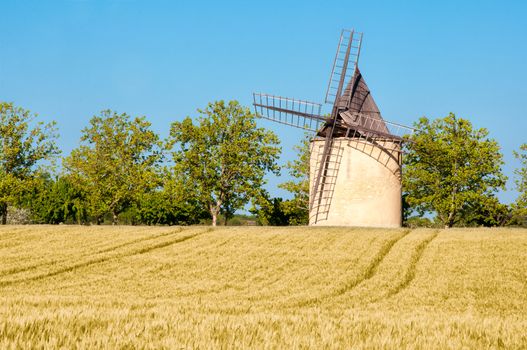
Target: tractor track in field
(9,234)
(138,240)
(410,272)
(9,239)
(104,259)
(368,273)
(16,270)
(371,270)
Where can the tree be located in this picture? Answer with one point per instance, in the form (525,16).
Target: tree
(115,163)
(169,205)
(297,208)
(223,157)
(521,182)
(487,212)
(269,211)
(24,151)
(55,201)
(450,169)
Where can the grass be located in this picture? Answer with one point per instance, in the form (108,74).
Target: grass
(260,287)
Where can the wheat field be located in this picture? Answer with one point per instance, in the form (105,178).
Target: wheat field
(262,287)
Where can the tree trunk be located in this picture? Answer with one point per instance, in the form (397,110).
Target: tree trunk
(452,213)
(214,218)
(450,219)
(214,211)
(114,218)
(3,213)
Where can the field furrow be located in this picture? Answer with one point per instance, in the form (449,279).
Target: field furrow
(362,275)
(56,267)
(411,270)
(77,256)
(372,267)
(262,287)
(395,270)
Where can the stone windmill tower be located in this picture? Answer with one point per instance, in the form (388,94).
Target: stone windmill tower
(355,161)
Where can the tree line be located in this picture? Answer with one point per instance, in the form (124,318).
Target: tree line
(122,172)
(215,164)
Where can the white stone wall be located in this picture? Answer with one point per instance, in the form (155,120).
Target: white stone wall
(367,190)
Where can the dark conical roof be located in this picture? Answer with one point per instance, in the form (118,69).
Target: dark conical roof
(358,99)
(358,108)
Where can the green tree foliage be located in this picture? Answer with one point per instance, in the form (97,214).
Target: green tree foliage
(269,211)
(295,211)
(487,212)
(521,183)
(55,201)
(452,170)
(25,149)
(169,205)
(297,208)
(115,164)
(157,208)
(223,158)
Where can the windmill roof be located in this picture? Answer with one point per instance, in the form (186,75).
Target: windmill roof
(358,99)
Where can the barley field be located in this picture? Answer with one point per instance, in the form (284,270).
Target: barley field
(262,287)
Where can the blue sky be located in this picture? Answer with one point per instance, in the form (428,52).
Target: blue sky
(68,59)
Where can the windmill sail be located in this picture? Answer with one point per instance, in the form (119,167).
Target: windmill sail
(344,64)
(298,113)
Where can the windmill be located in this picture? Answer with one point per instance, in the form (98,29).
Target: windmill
(355,159)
